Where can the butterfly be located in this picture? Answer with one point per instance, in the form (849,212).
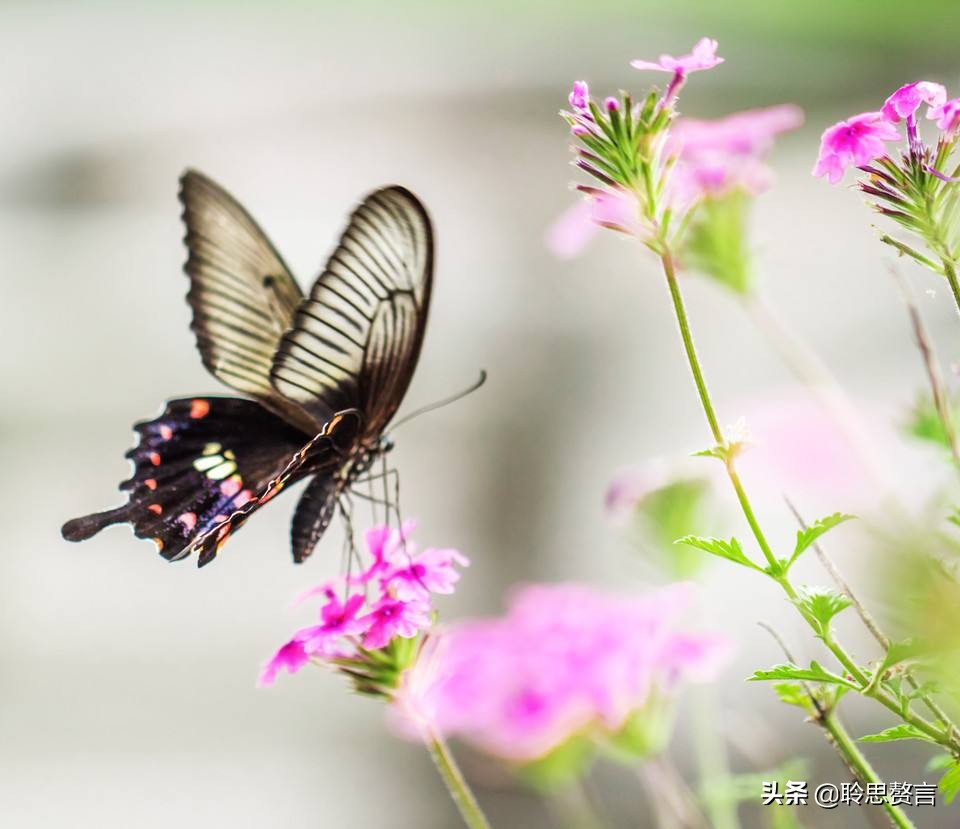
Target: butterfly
(323,374)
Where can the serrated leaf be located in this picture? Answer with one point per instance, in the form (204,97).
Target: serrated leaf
(904,731)
(949,784)
(792,693)
(924,422)
(808,535)
(822,604)
(939,762)
(718,452)
(815,673)
(730,550)
(904,651)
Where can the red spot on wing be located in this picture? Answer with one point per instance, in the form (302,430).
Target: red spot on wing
(188,519)
(166,432)
(199,408)
(156,509)
(220,518)
(231,486)
(150,483)
(243,498)
(154,458)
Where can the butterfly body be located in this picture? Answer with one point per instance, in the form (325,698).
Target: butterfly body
(326,373)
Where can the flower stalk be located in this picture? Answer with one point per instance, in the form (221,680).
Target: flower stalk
(775,569)
(454,780)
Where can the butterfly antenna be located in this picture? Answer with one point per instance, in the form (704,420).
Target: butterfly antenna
(441,403)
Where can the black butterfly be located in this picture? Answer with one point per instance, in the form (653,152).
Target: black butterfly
(327,373)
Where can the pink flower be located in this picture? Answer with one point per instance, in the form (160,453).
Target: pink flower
(908,99)
(291,657)
(580,97)
(703,56)
(395,602)
(566,659)
(576,227)
(394,617)
(854,142)
(339,619)
(431,571)
(384,544)
(743,133)
(946,114)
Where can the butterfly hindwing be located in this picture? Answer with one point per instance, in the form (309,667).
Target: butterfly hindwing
(323,455)
(198,463)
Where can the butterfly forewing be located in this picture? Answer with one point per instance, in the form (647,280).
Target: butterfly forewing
(355,340)
(242,294)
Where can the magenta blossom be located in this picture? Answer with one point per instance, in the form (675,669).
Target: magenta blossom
(394,617)
(431,571)
(946,114)
(565,660)
(291,657)
(854,142)
(703,56)
(580,97)
(908,99)
(393,600)
(330,639)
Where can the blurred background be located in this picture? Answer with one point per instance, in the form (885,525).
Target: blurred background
(127,684)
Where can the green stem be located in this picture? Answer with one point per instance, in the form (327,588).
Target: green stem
(860,766)
(951,271)
(775,570)
(455,782)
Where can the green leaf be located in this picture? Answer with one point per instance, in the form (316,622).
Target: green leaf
(810,534)
(924,422)
(718,452)
(905,651)
(716,241)
(940,762)
(904,731)
(792,693)
(950,782)
(559,767)
(731,550)
(815,673)
(821,604)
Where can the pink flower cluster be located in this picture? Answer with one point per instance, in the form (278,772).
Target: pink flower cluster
(719,156)
(390,598)
(862,138)
(565,660)
(714,157)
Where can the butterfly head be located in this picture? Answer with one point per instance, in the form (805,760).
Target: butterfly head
(385,444)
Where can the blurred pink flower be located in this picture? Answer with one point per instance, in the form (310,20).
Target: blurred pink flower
(615,209)
(743,133)
(800,450)
(703,56)
(907,100)
(946,114)
(630,485)
(291,657)
(854,142)
(566,659)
